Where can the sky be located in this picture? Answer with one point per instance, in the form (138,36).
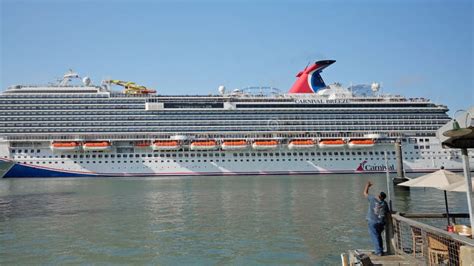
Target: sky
(413,48)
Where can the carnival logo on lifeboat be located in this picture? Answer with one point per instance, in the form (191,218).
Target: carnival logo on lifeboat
(365,167)
(309,80)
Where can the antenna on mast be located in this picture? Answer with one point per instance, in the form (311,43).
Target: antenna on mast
(309,62)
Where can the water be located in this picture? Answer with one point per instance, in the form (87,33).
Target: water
(246,220)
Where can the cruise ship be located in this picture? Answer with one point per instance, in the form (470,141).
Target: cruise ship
(77,129)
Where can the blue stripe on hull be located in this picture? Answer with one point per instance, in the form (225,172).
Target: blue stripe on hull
(19,171)
(25,171)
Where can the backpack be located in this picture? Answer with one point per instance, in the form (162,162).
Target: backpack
(380,209)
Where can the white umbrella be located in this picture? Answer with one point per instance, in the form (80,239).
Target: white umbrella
(439,179)
(459,186)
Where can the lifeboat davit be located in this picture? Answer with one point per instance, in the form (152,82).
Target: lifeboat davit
(331,143)
(165,145)
(65,146)
(361,143)
(142,144)
(203,145)
(301,144)
(265,144)
(234,145)
(96,146)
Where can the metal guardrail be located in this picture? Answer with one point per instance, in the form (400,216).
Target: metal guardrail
(427,243)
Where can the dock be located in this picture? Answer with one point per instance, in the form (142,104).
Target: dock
(412,239)
(365,257)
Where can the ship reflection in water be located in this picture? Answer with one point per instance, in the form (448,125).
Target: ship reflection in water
(206,220)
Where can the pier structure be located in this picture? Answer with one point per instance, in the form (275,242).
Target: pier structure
(399,157)
(418,239)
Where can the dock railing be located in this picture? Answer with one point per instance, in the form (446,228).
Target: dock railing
(428,243)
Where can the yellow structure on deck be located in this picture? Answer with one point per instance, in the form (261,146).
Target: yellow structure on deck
(131,87)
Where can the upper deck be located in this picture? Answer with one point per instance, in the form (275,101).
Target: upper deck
(86,111)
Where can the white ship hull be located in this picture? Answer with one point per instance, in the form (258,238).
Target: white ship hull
(146,162)
(300,146)
(226,147)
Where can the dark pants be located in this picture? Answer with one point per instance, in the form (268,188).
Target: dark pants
(375,231)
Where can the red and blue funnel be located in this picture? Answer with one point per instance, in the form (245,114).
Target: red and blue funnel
(309,80)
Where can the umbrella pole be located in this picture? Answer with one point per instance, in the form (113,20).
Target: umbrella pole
(467,175)
(446,204)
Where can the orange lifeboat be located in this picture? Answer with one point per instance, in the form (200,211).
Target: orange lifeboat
(361,143)
(301,144)
(96,146)
(203,145)
(65,146)
(165,145)
(142,144)
(234,144)
(331,143)
(265,144)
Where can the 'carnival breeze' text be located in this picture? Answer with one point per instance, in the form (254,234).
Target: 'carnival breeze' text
(321,101)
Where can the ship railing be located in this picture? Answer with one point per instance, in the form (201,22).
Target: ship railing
(56,95)
(81,127)
(215,123)
(424,237)
(223,118)
(212,135)
(52,86)
(109,130)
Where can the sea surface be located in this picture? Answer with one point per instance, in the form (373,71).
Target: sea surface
(244,220)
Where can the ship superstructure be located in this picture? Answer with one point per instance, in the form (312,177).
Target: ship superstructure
(86,130)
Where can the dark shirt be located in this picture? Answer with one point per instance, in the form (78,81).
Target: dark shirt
(377,210)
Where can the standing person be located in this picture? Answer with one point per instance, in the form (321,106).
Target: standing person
(376,214)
